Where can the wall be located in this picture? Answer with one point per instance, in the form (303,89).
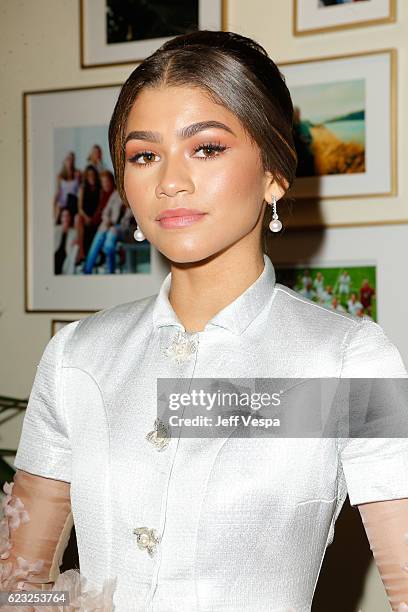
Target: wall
(39,49)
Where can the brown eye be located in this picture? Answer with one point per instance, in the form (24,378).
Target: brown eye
(147,156)
(212,150)
(143,155)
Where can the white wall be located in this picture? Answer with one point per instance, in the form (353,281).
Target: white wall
(39,49)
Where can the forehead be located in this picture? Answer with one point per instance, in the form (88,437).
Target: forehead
(177,106)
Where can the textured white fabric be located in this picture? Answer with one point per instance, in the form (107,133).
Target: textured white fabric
(244,523)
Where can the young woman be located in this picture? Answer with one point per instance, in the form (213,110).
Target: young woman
(201,141)
(108,231)
(68,181)
(88,218)
(95,158)
(65,247)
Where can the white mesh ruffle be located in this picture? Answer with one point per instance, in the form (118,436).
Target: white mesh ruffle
(14,573)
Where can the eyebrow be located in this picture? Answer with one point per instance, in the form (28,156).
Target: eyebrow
(186,132)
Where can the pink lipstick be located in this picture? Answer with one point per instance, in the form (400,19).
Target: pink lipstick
(179,217)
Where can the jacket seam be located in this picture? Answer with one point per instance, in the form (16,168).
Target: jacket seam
(299,299)
(107,491)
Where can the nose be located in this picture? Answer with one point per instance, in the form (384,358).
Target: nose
(174,178)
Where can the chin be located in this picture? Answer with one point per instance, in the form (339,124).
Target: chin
(184,254)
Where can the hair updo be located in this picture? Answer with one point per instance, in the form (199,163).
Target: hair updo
(234,71)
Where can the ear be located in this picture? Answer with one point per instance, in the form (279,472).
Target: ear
(274,188)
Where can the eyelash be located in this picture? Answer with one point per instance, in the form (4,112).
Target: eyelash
(213,146)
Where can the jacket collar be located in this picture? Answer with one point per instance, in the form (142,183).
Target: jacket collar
(234,317)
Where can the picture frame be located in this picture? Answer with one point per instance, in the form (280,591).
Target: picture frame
(345,133)
(349,287)
(357,245)
(109,37)
(319,16)
(69,127)
(57,324)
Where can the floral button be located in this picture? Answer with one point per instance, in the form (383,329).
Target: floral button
(182,347)
(147,539)
(159,436)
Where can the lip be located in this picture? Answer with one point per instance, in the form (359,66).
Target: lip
(178,212)
(181,220)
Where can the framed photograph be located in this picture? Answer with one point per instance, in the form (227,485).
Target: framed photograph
(349,288)
(355,250)
(316,16)
(117,32)
(57,324)
(345,127)
(81,255)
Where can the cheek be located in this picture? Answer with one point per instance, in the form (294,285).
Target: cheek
(129,182)
(248,179)
(240,184)
(137,189)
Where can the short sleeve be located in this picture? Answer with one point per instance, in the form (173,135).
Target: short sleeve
(375,469)
(44,448)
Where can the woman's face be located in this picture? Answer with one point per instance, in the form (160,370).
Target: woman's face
(106,183)
(96,153)
(91,177)
(65,218)
(215,170)
(69,160)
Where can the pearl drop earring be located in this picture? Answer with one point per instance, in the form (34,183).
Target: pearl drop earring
(275,225)
(138,234)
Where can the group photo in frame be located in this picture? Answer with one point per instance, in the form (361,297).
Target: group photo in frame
(80,251)
(353,249)
(117,32)
(319,16)
(349,288)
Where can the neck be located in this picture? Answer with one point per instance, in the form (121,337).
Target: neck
(201,289)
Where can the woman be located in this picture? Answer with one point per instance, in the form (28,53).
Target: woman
(87,219)
(185,523)
(109,231)
(95,158)
(66,195)
(107,187)
(65,238)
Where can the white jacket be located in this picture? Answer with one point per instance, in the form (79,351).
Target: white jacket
(239,524)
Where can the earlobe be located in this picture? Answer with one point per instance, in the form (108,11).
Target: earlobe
(274,187)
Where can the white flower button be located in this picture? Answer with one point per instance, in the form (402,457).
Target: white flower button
(147,539)
(159,436)
(182,347)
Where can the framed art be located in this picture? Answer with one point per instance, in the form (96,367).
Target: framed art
(317,16)
(348,288)
(345,127)
(57,324)
(117,32)
(368,247)
(73,263)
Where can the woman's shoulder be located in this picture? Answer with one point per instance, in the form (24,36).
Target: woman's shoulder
(105,329)
(364,347)
(308,313)
(120,315)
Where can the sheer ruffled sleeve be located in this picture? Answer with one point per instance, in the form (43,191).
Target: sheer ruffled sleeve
(35,531)
(376,468)
(386,525)
(37,521)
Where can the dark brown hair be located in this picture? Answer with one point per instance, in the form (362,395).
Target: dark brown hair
(234,71)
